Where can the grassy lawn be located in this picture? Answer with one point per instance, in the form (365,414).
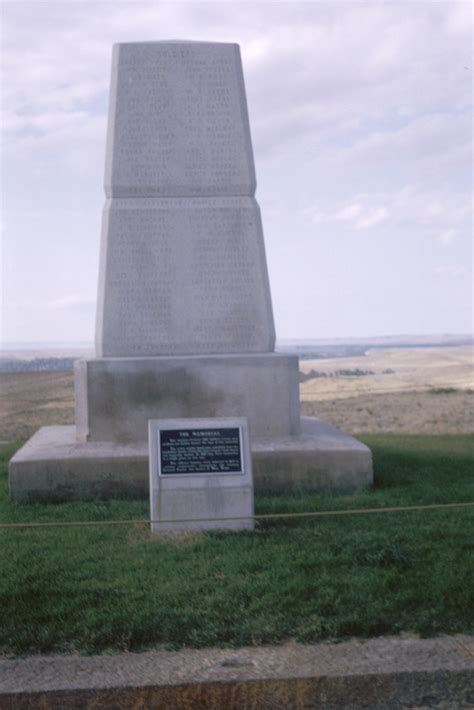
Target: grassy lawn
(108,588)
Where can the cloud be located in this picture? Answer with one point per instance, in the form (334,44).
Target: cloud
(413,207)
(453,270)
(79,300)
(349,213)
(373,217)
(387,90)
(363,217)
(447,237)
(435,151)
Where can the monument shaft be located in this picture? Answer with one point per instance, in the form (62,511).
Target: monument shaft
(182,266)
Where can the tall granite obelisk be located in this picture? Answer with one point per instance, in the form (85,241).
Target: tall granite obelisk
(184,319)
(184,316)
(183,267)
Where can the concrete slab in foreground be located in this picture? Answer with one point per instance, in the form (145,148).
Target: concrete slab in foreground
(397,672)
(53,466)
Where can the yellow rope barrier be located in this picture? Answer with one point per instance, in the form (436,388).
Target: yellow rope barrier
(264,516)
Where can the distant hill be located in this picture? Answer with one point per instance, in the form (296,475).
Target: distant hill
(42,357)
(27,357)
(37,364)
(353,347)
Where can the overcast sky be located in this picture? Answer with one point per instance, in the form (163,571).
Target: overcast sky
(360,116)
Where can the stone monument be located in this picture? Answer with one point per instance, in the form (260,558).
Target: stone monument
(184,317)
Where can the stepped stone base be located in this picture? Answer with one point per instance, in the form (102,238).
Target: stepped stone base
(54,466)
(115,397)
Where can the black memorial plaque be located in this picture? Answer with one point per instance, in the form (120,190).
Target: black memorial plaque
(186,451)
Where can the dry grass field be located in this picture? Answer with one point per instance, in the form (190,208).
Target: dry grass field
(404,413)
(31,400)
(412,390)
(394,370)
(409,390)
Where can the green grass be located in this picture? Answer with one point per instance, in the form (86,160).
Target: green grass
(96,589)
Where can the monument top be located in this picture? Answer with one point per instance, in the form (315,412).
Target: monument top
(173,41)
(178,121)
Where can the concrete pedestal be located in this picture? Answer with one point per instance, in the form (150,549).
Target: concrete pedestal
(115,397)
(54,466)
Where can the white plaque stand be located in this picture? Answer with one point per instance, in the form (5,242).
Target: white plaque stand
(195,482)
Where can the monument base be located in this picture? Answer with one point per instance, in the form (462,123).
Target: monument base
(117,396)
(54,466)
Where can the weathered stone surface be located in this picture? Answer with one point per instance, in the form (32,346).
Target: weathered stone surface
(53,465)
(115,397)
(177,500)
(178,121)
(183,276)
(320,457)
